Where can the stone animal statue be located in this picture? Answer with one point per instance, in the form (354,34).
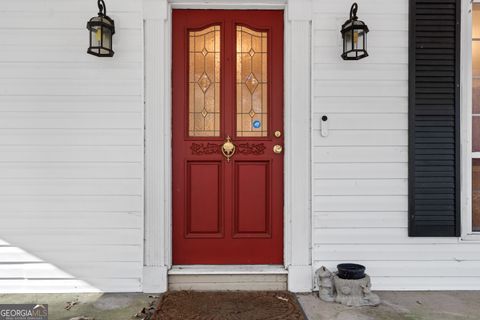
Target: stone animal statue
(325,284)
(349,292)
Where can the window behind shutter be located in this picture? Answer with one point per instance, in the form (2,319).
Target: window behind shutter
(434,118)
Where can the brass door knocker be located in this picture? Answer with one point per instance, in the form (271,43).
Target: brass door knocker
(228,148)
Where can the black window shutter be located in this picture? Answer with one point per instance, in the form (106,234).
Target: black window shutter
(434,118)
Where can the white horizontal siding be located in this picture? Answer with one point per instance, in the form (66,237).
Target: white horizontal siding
(362,156)
(71,154)
(93,252)
(69,121)
(64,104)
(360,170)
(365,105)
(70,170)
(71,149)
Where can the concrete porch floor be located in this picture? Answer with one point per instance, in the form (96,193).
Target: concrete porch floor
(101,306)
(452,305)
(418,305)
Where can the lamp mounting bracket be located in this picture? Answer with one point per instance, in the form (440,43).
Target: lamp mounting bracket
(102,8)
(353,11)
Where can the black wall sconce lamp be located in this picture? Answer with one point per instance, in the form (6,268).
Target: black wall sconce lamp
(354,35)
(101,30)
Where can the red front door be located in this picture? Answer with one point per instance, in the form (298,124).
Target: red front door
(227,137)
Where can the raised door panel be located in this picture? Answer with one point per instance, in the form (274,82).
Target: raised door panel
(252,212)
(204,216)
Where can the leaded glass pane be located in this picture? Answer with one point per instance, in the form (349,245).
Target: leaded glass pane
(204,82)
(252,83)
(476,78)
(476,117)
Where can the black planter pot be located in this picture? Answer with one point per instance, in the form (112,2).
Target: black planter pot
(351,271)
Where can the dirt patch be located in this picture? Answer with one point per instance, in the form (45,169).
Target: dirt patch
(185,305)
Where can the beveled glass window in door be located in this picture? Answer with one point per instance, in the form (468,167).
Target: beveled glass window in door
(252,83)
(476,118)
(204,82)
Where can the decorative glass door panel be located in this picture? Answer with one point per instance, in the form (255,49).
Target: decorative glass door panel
(227,137)
(475,129)
(204,82)
(252,82)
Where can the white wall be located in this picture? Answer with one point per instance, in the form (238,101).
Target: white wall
(360,170)
(71,149)
(71,153)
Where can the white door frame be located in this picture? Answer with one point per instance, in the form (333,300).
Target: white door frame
(297,116)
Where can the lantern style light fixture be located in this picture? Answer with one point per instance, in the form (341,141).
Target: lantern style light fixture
(101,30)
(354,35)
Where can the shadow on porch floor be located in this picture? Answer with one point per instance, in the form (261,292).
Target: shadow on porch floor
(100,306)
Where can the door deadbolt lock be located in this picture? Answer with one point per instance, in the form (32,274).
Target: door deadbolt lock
(277,149)
(277,134)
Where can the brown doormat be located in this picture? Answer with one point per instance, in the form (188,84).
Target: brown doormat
(186,305)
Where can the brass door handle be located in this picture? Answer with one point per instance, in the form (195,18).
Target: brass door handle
(277,148)
(228,148)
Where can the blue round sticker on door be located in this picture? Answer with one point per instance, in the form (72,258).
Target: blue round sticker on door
(256,124)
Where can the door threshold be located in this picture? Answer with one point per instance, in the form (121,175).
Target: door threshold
(203,269)
(227,277)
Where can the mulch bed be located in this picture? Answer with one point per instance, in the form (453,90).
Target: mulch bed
(188,305)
